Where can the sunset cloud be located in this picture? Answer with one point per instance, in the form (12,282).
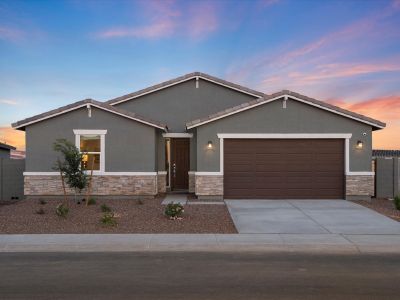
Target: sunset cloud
(12,137)
(165,19)
(386,109)
(11,34)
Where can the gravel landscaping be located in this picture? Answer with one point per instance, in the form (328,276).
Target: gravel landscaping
(383,206)
(131,216)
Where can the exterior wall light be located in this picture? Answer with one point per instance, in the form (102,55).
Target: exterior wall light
(359,145)
(209,145)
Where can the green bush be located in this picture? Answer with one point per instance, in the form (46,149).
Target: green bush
(42,202)
(40,211)
(91,201)
(174,210)
(397,202)
(105,208)
(62,210)
(108,219)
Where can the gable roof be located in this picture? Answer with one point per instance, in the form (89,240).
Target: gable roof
(385,153)
(87,103)
(292,95)
(184,78)
(6,146)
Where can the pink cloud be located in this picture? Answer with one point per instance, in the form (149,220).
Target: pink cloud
(11,34)
(386,109)
(202,19)
(165,19)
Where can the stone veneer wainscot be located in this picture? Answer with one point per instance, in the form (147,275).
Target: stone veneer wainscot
(121,185)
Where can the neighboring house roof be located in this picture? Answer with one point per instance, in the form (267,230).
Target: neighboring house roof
(6,146)
(88,103)
(292,95)
(385,153)
(184,78)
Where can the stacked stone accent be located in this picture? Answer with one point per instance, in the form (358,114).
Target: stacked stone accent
(162,182)
(360,185)
(124,185)
(209,185)
(192,182)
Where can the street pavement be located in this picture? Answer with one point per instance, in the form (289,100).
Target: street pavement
(198,275)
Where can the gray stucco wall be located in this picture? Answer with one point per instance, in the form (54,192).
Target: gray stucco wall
(184,102)
(129,145)
(387,177)
(4,153)
(11,179)
(272,118)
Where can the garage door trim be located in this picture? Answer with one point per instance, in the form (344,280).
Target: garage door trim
(345,136)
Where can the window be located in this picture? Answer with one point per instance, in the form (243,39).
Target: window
(91,143)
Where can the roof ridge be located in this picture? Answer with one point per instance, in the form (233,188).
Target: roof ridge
(176,80)
(282,93)
(77,104)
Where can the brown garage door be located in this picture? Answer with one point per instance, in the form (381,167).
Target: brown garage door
(284,168)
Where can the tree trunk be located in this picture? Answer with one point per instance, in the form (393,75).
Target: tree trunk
(63,184)
(90,184)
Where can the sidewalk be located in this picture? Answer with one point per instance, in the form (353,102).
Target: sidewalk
(324,243)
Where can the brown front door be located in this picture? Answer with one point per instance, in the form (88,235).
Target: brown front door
(284,169)
(179,164)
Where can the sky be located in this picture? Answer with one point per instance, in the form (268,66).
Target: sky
(53,53)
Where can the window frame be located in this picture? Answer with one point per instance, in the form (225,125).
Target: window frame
(102,133)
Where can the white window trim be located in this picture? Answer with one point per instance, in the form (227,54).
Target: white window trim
(102,133)
(345,136)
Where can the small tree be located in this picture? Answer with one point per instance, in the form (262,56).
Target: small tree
(71,166)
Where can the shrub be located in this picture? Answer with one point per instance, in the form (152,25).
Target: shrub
(397,202)
(105,208)
(40,211)
(108,219)
(91,201)
(174,210)
(62,210)
(42,202)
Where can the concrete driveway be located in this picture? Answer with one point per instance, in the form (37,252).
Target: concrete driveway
(308,217)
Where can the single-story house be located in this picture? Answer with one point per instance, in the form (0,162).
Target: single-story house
(210,137)
(5,150)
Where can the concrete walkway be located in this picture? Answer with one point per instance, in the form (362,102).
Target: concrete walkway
(175,198)
(308,217)
(329,243)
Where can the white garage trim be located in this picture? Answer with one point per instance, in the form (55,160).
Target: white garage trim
(345,136)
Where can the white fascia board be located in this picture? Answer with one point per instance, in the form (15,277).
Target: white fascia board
(284,135)
(85,105)
(183,80)
(288,97)
(177,135)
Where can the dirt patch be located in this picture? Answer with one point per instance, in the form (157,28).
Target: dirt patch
(383,206)
(132,217)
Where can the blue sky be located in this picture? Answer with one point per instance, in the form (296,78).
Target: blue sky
(56,52)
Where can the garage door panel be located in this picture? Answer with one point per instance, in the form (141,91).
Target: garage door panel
(284,169)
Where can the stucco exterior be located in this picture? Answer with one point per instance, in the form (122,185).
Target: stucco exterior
(134,149)
(129,145)
(183,102)
(273,118)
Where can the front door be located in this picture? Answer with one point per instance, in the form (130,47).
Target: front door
(180,163)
